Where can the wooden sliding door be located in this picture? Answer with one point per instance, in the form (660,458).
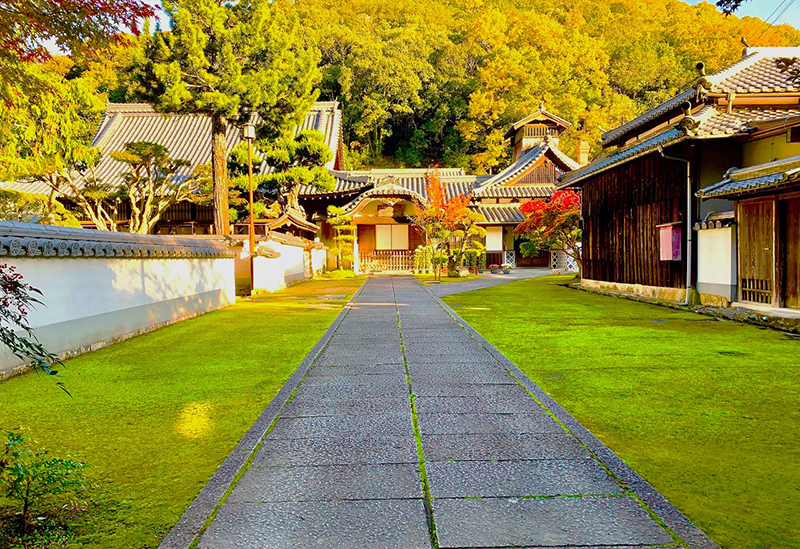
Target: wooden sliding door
(756,251)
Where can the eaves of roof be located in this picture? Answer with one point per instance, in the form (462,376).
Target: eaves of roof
(541,112)
(664,139)
(755,179)
(499,214)
(756,72)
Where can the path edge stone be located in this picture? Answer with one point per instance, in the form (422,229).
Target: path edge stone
(191,522)
(657,503)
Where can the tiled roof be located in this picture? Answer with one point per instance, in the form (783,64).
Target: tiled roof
(454,180)
(742,120)
(541,113)
(293,217)
(755,178)
(651,114)
(186,136)
(525,163)
(668,137)
(517,191)
(496,214)
(708,123)
(345,183)
(756,72)
(762,75)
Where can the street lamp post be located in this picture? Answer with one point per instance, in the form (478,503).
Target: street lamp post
(249,133)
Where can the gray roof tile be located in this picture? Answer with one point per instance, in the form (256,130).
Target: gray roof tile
(755,178)
(497,214)
(712,124)
(524,163)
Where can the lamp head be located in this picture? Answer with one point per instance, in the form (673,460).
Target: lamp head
(248,132)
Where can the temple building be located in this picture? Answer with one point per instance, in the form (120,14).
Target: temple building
(382,202)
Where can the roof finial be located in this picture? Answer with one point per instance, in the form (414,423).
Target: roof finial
(745,43)
(688,122)
(701,68)
(541,105)
(702,84)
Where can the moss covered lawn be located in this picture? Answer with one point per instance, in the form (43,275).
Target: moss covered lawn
(707,411)
(155,415)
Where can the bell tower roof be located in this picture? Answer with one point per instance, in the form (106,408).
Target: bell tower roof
(540,118)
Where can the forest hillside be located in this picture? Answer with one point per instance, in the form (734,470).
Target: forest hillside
(439,81)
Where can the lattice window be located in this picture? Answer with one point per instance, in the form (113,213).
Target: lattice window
(510,258)
(757,290)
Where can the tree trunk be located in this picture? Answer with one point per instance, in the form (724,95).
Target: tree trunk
(219,167)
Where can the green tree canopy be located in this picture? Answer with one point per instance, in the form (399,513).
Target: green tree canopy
(296,161)
(230,60)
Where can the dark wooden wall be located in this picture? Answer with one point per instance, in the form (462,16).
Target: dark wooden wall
(621,209)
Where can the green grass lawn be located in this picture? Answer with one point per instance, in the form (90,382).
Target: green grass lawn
(155,415)
(707,411)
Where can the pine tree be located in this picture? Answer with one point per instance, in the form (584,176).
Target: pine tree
(230,60)
(344,235)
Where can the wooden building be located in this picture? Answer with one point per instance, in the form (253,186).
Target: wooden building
(645,199)
(382,202)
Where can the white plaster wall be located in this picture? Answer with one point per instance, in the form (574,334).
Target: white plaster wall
(319,259)
(77,288)
(270,274)
(89,302)
(716,257)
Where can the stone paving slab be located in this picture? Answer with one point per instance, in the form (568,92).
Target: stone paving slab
(384,524)
(475,404)
(334,482)
(343,426)
(481,391)
(521,522)
(337,451)
(306,405)
(387,354)
(435,375)
(342,391)
(355,369)
(462,352)
(452,424)
(461,479)
(397,379)
(501,446)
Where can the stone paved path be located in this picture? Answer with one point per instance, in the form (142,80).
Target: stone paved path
(407,434)
(488,281)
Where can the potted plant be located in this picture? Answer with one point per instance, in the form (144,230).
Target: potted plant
(494,268)
(506,268)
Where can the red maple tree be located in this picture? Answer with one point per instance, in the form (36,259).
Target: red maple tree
(450,225)
(553,223)
(26,25)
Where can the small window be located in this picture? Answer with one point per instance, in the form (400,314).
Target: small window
(793,135)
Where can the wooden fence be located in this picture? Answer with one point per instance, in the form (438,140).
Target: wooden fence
(386,260)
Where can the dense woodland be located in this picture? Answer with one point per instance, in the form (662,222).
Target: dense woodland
(436,82)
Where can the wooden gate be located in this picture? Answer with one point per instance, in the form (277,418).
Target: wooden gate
(756,253)
(791,284)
